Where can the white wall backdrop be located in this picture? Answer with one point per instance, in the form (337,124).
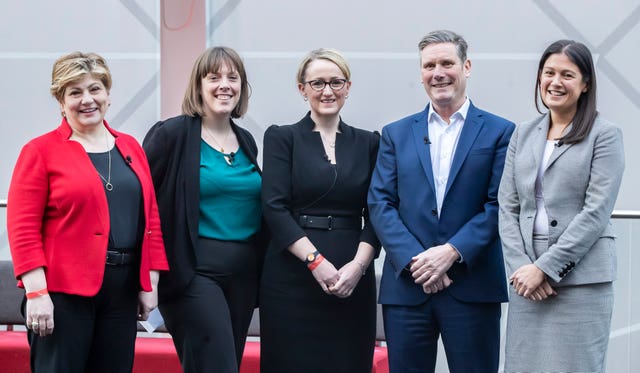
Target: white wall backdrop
(379,38)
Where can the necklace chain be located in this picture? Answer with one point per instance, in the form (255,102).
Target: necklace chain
(230,157)
(107,182)
(325,141)
(224,141)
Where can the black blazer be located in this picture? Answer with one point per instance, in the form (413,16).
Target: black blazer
(173,149)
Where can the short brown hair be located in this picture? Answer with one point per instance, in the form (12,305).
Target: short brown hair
(210,61)
(73,67)
(323,54)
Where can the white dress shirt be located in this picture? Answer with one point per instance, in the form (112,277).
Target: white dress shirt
(444,141)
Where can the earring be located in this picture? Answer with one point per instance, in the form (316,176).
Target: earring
(346,97)
(63,113)
(306,98)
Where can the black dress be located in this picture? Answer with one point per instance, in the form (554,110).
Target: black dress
(302,329)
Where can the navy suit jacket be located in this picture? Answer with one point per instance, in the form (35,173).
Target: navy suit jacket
(403,207)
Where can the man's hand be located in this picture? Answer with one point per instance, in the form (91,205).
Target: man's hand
(429,266)
(440,284)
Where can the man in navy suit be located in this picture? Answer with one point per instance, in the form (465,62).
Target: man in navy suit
(433,203)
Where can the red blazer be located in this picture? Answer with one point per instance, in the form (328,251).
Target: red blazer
(58,217)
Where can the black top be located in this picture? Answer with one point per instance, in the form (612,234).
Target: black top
(124,201)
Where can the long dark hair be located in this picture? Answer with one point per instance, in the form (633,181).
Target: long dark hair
(586,111)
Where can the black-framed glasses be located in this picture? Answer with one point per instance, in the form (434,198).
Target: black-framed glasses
(319,84)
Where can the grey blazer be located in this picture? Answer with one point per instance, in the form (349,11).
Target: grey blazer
(580,187)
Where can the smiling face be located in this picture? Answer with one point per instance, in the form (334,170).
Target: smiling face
(444,77)
(85,102)
(221,91)
(327,102)
(561,84)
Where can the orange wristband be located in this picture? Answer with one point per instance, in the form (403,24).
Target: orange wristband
(37,293)
(313,265)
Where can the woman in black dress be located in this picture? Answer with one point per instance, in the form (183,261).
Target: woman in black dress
(318,293)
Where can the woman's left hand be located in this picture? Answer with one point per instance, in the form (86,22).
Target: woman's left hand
(147,302)
(349,274)
(527,279)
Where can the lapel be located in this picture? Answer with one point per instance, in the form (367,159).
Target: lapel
(539,139)
(472,126)
(191,175)
(558,150)
(343,138)
(246,147)
(420,133)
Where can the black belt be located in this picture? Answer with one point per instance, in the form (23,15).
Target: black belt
(117,258)
(330,222)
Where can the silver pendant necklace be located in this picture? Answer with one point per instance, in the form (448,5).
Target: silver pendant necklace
(107,182)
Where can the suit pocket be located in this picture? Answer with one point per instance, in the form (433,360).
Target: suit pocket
(481,151)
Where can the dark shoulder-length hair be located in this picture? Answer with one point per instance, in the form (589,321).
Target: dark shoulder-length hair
(586,111)
(210,61)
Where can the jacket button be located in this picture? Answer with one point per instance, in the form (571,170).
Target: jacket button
(434,212)
(553,223)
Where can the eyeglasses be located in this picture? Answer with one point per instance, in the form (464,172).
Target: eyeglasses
(319,84)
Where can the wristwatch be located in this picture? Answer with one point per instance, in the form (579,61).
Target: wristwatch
(311,257)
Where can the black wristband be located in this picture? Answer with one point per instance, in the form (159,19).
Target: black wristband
(311,257)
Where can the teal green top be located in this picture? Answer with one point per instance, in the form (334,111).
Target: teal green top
(229,196)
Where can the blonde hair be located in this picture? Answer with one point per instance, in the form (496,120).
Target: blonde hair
(323,54)
(210,61)
(73,67)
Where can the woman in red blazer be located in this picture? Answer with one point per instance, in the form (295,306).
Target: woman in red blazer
(84,230)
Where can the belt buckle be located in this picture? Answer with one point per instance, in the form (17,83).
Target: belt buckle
(115,258)
(329,222)
(110,259)
(303,220)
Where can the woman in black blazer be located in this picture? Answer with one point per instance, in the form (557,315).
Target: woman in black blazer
(318,293)
(208,186)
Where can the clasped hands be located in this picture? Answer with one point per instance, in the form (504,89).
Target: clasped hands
(530,282)
(338,282)
(429,268)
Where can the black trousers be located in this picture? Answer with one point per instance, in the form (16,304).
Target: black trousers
(210,319)
(91,334)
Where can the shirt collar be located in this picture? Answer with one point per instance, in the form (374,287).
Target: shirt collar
(434,117)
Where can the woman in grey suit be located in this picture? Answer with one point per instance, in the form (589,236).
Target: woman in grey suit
(559,186)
